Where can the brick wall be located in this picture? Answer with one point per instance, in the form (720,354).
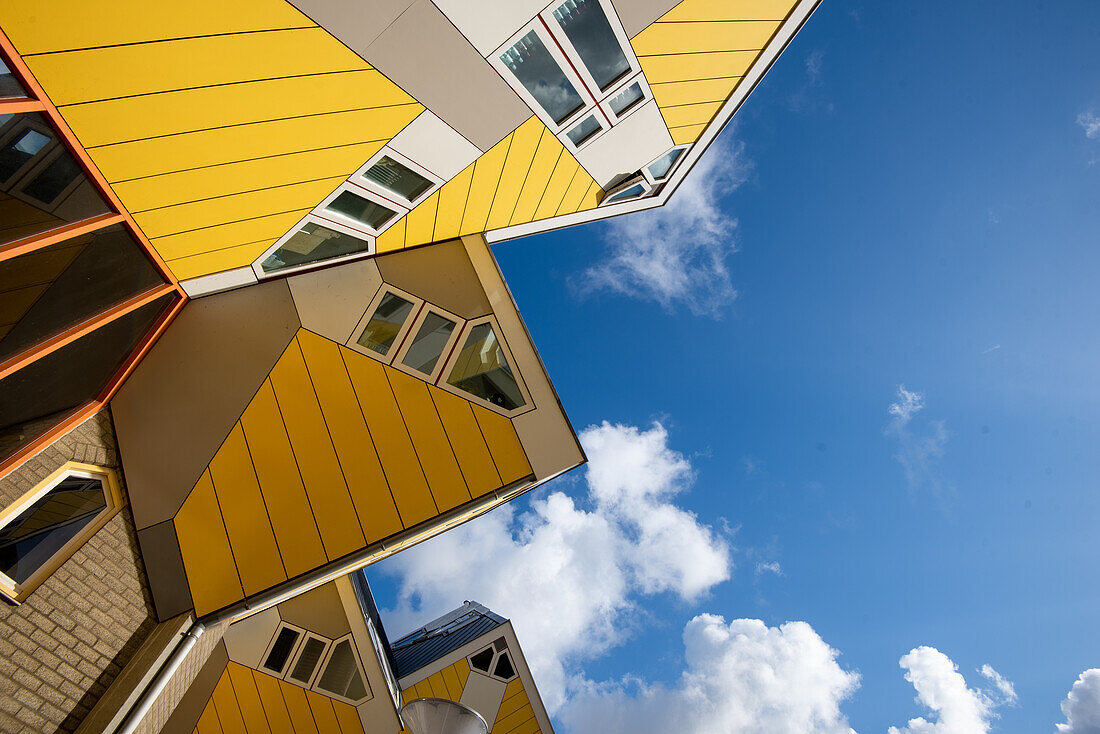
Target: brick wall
(64,646)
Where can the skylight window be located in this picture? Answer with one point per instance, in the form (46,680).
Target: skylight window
(398,178)
(585,24)
(312,243)
(386,323)
(360,210)
(542,76)
(482,370)
(428,345)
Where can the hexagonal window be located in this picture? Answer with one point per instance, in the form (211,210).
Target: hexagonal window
(47,525)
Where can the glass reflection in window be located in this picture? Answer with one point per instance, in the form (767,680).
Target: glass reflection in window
(483,371)
(341,675)
(633,192)
(540,75)
(362,210)
(588,127)
(663,165)
(429,343)
(587,28)
(385,324)
(312,243)
(626,99)
(400,179)
(9,85)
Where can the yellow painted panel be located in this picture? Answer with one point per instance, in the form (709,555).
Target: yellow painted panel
(420,222)
(208,239)
(348,718)
(469,446)
(462,668)
(430,441)
(543,165)
(316,457)
(244,142)
(278,719)
(692,114)
(409,694)
(578,187)
(391,438)
(531,726)
(689,38)
(725,10)
(366,482)
(514,688)
(68,24)
(171,113)
(298,709)
(512,703)
(208,721)
(563,173)
(213,262)
(680,67)
(454,687)
(204,545)
(229,710)
(323,715)
(231,178)
(483,188)
(683,135)
(504,444)
(520,156)
(210,212)
(591,198)
(242,505)
(252,710)
(392,239)
(288,507)
(452,204)
(120,71)
(694,91)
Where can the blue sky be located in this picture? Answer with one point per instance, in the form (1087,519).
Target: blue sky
(910,198)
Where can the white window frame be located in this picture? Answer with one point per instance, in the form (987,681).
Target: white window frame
(493,663)
(359,179)
(297,653)
(647,189)
(358,662)
(290,656)
(448,348)
(353,340)
(353,224)
(647,94)
(452,360)
(574,56)
(651,178)
(605,125)
(257,264)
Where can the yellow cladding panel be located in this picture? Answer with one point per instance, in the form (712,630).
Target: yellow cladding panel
(452,204)
(556,186)
(692,114)
(245,516)
(362,471)
(693,91)
(520,154)
(687,67)
(391,437)
(208,722)
(392,239)
(316,457)
(483,188)
(187,110)
(229,710)
(576,192)
(69,24)
(122,71)
(278,718)
(469,445)
(546,159)
(688,38)
(683,135)
(430,440)
(420,222)
(287,504)
(204,545)
(244,685)
(323,715)
(348,717)
(729,11)
(298,708)
(504,445)
(208,239)
(212,262)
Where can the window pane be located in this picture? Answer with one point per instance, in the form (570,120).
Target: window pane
(589,31)
(483,371)
(385,324)
(626,99)
(280,651)
(312,243)
(540,74)
(9,85)
(18,151)
(428,345)
(589,126)
(362,210)
(307,661)
(49,290)
(399,179)
(53,179)
(341,675)
(504,667)
(631,193)
(44,392)
(32,538)
(483,660)
(660,168)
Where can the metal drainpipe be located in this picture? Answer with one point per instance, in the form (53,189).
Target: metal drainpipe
(158,684)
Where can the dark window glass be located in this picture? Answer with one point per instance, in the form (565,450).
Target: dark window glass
(398,178)
(307,661)
(661,167)
(53,179)
(280,651)
(427,346)
(36,397)
(632,192)
(587,28)
(49,290)
(626,99)
(9,85)
(504,667)
(341,675)
(312,243)
(483,371)
(540,75)
(360,209)
(20,149)
(30,540)
(588,127)
(386,323)
(483,660)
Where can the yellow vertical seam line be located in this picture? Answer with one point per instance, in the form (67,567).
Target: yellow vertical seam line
(289,688)
(309,710)
(229,547)
(533,179)
(447,438)
(452,202)
(513,164)
(534,212)
(572,197)
(263,500)
(348,718)
(437,395)
(232,710)
(271,698)
(252,705)
(484,160)
(487,444)
(405,422)
(317,702)
(211,703)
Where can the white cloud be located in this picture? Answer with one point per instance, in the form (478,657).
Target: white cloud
(742,677)
(908,405)
(1090,123)
(676,255)
(568,574)
(771,567)
(919,454)
(1082,705)
(942,689)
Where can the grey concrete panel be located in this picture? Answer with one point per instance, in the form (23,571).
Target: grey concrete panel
(354,22)
(441,274)
(637,15)
(180,403)
(424,54)
(331,301)
(160,551)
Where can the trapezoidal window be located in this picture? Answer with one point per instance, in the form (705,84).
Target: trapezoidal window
(585,24)
(311,243)
(541,75)
(482,370)
(49,524)
(396,177)
(278,655)
(385,323)
(341,676)
(494,661)
(427,346)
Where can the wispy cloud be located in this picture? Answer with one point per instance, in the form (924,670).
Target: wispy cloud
(1090,123)
(993,348)
(807,96)
(769,567)
(918,453)
(677,255)
(1082,705)
(940,688)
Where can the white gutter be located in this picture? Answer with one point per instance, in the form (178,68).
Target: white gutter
(158,684)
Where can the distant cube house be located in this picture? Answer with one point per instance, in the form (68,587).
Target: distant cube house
(253,338)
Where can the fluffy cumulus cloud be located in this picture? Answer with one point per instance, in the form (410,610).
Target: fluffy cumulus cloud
(741,676)
(676,255)
(1082,705)
(918,452)
(568,572)
(941,688)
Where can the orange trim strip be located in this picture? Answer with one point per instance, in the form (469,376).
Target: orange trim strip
(41,349)
(13,106)
(74,419)
(53,236)
(135,358)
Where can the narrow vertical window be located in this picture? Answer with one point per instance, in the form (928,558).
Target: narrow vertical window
(540,74)
(385,324)
(483,371)
(280,650)
(429,343)
(586,26)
